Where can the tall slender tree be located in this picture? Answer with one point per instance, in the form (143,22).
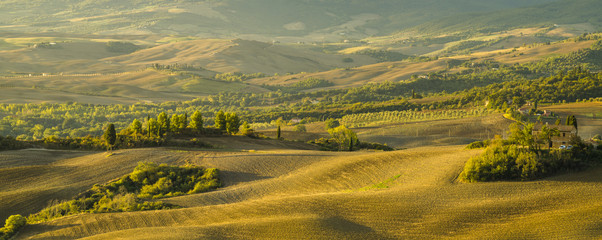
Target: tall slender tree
(110,135)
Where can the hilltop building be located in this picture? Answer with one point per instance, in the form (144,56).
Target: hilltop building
(566,133)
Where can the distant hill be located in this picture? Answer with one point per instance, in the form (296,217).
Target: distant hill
(549,14)
(289,20)
(403,70)
(217,55)
(240,56)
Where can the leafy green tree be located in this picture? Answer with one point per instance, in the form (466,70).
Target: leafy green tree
(152,126)
(183,121)
(178,122)
(547,133)
(343,136)
(12,225)
(174,123)
(522,134)
(569,120)
(148,125)
(196,121)
(232,123)
(136,127)
(331,123)
(163,122)
(245,129)
(220,120)
(110,136)
(300,128)
(572,120)
(68,123)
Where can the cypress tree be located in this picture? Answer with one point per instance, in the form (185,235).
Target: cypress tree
(278,132)
(110,135)
(148,125)
(350,143)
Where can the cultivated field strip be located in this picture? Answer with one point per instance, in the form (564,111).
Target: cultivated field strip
(60,175)
(425,213)
(323,195)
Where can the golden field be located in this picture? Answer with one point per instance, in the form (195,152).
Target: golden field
(278,189)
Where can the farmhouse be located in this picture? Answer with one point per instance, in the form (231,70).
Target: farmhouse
(524,110)
(566,133)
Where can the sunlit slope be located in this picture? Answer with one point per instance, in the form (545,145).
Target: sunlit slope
(239,56)
(32,178)
(353,77)
(68,57)
(525,54)
(321,196)
(88,55)
(129,87)
(436,132)
(403,70)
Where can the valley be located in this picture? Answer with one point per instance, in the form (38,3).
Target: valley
(310,119)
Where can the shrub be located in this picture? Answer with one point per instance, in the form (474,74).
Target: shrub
(12,226)
(121,47)
(147,181)
(374,146)
(331,123)
(348,60)
(511,162)
(475,145)
(300,128)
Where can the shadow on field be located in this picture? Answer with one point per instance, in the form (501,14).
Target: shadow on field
(591,175)
(230,178)
(42,227)
(339,224)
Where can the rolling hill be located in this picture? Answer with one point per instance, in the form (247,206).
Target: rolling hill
(140,84)
(281,189)
(403,70)
(239,56)
(85,55)
(305,194)
(548,14)
(312,20)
